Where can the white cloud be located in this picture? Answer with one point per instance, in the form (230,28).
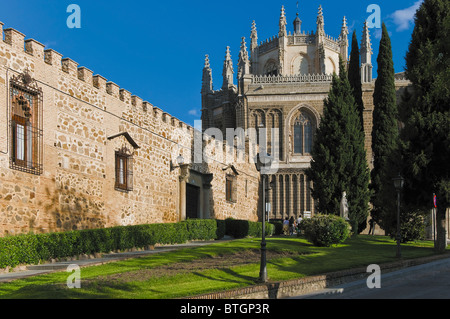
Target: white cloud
(194,112)
(351,27)
(405,17)
(377,33)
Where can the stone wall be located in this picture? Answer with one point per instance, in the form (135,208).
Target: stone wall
(83,115)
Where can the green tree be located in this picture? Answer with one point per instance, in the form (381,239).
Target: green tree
(338,155)
(427,129)
(385,139)
(354,75)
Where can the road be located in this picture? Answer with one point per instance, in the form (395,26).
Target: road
(428,281)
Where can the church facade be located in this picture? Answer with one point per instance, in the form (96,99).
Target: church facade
(280,90)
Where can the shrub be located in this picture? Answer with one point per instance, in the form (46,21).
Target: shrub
(325,230)
(412,225)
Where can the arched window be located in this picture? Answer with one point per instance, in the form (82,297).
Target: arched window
(303,134)
(271,68)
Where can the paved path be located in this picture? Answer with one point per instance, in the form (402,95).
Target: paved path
(427,281)
(34,270)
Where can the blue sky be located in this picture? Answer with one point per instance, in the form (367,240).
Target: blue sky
(156,49)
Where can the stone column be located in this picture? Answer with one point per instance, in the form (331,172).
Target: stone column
(206,213)
(282,195)
(299,195)
(291,194)
(277,196)
(286,195)
(270,197)
(184,176)
(303,184)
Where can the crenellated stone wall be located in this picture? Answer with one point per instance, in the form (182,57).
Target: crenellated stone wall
(84,117)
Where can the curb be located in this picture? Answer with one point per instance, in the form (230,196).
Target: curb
(312,284)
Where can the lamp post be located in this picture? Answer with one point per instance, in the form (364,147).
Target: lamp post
(263,161)
(398,184)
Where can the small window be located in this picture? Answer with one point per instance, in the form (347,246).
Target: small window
(230,188)
(124,171)
(246,188)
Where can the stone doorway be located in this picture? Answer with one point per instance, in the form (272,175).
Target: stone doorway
(192,201)
(195,193)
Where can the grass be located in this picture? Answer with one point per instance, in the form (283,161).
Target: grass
(220,266)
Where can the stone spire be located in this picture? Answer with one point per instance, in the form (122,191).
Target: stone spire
(343,41)
(320,23)
(207,83)
(254,48)
(254,37)
(320,42)
(282,42)
(227,71)
(282,32)
(244,63)
(366,55)
(297,25)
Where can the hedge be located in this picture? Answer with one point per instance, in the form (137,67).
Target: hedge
(33,248)
(243,228)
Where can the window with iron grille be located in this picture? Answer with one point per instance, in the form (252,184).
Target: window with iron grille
(25,124)
(124,170)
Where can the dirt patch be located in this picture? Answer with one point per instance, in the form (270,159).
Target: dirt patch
(213,262)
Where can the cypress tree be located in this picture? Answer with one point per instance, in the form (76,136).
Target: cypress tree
(426,135)
(385,139)
(338,155)
(354,75)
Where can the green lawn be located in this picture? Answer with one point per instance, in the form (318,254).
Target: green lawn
(234,264)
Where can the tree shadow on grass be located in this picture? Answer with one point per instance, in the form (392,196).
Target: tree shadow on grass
(244,279)
(41,289)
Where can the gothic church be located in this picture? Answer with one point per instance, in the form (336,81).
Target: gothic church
(281,86)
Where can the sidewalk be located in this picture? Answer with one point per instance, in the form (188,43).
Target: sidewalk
(34,270)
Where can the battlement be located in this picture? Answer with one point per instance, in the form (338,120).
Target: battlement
(37,51)
(269,44)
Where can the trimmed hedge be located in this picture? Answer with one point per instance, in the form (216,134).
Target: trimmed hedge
(33,248)
(243,228)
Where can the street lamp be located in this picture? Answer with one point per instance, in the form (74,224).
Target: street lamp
(398,184)
(263,162)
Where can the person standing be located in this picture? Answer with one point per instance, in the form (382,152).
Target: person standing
(291,225)
(299,220)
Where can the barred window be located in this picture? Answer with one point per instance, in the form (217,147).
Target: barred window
(124,170)
(25,124)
